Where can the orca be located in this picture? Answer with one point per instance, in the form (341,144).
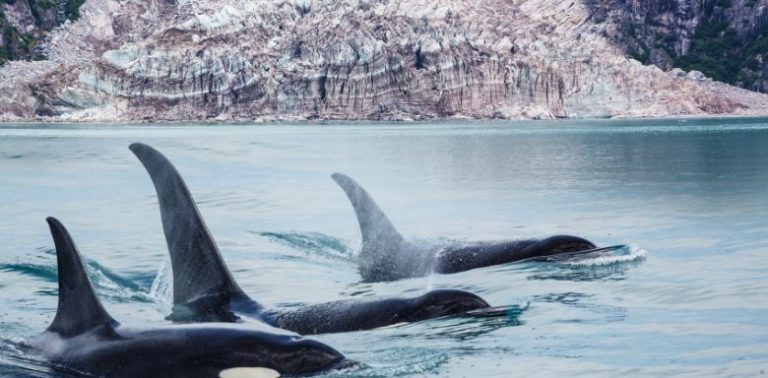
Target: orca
(387,256)
(204,289)
(84,339)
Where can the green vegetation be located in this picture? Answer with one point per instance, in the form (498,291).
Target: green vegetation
(72,9)
(641,54)
(725,4)
(714,51)
(720,53)
(18,45)
(44,12)
(716,48)
(8,52)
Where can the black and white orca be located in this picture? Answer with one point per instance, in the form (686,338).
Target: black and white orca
(84,339)
(387,256)
(204,289)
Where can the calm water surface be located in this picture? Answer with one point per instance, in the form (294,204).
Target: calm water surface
(689,196)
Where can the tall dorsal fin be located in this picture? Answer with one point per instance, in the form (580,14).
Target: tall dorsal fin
(79,309)
(376,228)
(199,271)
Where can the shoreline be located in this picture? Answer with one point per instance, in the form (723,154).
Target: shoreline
(318,122)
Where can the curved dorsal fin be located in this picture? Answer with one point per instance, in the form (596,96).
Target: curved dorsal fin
(199,271)
(376,228)
(79,309)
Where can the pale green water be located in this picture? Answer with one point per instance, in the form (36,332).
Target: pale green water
(692,193)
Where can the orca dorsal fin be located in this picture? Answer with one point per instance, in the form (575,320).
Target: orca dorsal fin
(79,309)
(199,271)
(376,228)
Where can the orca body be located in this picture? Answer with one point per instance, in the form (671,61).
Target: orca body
(386,256)
(85,339)
(204,289)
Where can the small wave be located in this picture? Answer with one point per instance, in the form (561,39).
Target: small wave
(19,361)
(468,325)
(623,254)
(106,282)
(226,199)
(162,287)
(418,361)
(111,276)
(608,264)
(313,242)
(594,312)
(395,362)
(47,273)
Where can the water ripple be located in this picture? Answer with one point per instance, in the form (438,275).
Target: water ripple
(106,282)
(312,242)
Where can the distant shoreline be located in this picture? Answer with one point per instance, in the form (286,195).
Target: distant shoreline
(298,121)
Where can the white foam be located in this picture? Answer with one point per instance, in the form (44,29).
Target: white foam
(635,253)
(162,286)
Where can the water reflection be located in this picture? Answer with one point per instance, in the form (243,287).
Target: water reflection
(466,326)
(592,311)
(107,283)
(19,361)
(613,272)
(312,243)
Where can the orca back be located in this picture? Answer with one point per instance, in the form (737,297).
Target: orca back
(375,227)
(385,255)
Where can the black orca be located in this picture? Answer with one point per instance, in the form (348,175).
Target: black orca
(386,256)
(85,339)
(204,289)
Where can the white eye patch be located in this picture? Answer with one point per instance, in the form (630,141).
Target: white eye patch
(249,372)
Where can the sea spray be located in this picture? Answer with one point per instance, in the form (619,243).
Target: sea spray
(162,287)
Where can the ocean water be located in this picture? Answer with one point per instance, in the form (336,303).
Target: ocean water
(689,197)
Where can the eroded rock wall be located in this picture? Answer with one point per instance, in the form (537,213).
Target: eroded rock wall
(349,59)
(726,39)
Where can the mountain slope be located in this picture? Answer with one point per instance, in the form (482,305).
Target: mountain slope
(725,39)
(348,59)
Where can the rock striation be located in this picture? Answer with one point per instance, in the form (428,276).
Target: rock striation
(149,60)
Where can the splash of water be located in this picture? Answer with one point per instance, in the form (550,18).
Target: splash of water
(17,360)
(162,286)
(394,362)
(106,282)
(624,254)
(314,243)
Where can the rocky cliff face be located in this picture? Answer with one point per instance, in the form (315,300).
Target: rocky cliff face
(25,23)
(725,39)
(22,24)
(349,59)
